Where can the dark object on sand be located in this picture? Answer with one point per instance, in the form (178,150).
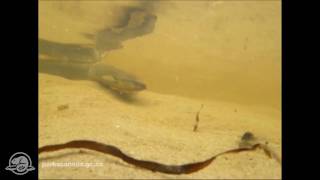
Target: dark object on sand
(63,107)
(247,137)
(249,140)
(195,127)
(149,165)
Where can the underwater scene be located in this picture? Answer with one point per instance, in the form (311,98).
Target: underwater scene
(159,89)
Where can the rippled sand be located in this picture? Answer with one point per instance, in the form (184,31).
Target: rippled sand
(150,126)
(200,52)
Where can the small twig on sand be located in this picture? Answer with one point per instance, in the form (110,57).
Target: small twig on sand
(195,127)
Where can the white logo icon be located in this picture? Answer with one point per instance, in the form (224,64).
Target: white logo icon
(20,163)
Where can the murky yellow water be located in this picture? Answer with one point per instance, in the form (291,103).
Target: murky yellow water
(223,54)
(226,51)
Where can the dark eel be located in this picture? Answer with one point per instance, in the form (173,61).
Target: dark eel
(149,165)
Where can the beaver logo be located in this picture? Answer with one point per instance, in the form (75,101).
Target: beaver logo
(20,163)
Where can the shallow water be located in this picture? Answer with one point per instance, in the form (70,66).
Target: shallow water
(224,55)
(226,51)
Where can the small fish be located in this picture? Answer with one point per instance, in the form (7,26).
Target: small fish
(123,86)
(115,79)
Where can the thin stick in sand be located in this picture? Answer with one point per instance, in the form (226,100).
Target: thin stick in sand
(195,127)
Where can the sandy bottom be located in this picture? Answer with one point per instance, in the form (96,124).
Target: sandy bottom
(150,126)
